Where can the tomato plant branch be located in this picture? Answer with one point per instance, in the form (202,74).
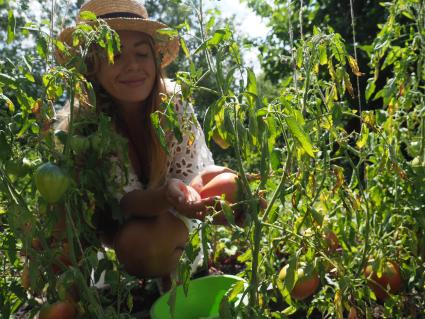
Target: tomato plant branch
(13,193)
(279,187)
(367,217)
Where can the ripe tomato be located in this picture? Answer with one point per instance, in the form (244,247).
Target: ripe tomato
(223,184)
(64,259)
(353,313)
(25,277)
(51,182)
(391,278)
(36,244)
(58,310)
(305,286)
(67,288)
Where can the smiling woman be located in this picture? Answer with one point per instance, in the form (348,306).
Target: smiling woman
(130,79)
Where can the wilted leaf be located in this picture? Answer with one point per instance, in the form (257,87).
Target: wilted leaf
(338,305)
(323,57)
(361,142)
(354,66)
(9,103)
(348,85)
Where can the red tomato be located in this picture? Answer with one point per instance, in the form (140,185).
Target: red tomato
(63,259)
(391,278)
(58,310)
(305,285)
(223,184)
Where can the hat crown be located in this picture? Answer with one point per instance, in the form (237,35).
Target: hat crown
(115,7)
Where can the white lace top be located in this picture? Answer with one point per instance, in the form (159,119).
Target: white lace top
(188,157)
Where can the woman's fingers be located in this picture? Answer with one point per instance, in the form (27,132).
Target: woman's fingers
(196,209)
(176,191)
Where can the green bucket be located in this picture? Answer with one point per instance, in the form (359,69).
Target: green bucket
(202,300)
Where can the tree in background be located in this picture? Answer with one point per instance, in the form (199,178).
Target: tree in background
(292,21)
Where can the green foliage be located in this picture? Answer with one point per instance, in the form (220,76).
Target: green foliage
(318,177)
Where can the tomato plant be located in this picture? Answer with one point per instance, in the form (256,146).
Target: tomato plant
(342,170)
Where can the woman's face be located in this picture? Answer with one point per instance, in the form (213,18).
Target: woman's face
(131,78)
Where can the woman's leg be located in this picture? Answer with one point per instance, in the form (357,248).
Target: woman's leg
(151,247)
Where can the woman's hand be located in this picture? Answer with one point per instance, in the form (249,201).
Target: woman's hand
(186,200)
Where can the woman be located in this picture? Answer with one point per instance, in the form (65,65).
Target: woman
(157,201)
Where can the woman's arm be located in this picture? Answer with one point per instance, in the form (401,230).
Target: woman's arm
(144,203)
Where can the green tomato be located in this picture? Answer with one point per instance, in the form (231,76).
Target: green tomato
(51,182)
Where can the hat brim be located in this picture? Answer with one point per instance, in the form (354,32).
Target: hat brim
(167,47)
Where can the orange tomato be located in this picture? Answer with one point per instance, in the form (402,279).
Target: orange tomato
(58,310)
(36,244)
(25,277)
(223,184)
(353,313)
(389,282)
(305,286)
(63,258)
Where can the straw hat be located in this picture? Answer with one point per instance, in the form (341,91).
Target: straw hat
(129,15)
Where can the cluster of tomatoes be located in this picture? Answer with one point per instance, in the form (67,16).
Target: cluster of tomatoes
(384,283)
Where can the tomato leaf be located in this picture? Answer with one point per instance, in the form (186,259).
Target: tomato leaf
(289,310)
(298,132)
(228,212)
(364,135)
(184,47)
(11,25)
(159,131)
(291,275)
(88,15)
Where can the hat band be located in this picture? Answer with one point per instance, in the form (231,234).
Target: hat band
(120,15)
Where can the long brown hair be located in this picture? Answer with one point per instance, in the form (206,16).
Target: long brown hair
(153,160)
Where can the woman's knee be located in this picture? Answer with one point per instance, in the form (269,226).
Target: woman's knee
(151,248)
